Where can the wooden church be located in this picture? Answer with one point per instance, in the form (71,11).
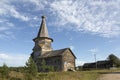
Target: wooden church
(61,60)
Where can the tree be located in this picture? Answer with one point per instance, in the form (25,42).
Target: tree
(114,59)
(45,68)
(5,70)
(31,67)
(43,65)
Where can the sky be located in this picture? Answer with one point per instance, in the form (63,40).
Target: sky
(87,27)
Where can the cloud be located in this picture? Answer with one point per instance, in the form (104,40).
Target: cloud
(13,59)
(100,17)
(97,17)
(94,50)
(72,47)
(7,35)
(39,4)
(5,25)
(17,15)
(79,63)
(5,29)
(8,10)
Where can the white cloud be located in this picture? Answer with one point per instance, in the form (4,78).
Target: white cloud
(13,59)
(17,15)
(7,10)
(98,17)
(94,50)
(40,4)
(79,63)
(72,47)
(5,29)
(7,35)
(5,25)
(90,16)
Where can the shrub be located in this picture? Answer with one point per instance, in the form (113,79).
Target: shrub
(4,70)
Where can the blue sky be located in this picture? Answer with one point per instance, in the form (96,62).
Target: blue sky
(88,27)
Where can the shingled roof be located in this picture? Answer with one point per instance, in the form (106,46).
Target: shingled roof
(55,53)
(43,32)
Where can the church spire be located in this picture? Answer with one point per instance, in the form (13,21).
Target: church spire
(43,31)
(42,41)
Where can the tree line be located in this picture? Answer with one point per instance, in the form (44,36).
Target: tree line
(112,61)
(30,69)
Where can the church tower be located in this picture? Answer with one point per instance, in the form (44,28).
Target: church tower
(42,41)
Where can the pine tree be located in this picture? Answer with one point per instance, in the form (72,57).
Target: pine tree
(31,67)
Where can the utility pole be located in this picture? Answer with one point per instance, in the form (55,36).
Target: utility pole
(95,60)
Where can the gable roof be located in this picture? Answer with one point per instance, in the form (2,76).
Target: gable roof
(55,53)
(71,52)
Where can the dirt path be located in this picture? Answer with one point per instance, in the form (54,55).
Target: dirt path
(110,76)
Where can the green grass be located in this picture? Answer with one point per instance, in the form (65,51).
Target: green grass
(78,75)
(87,75)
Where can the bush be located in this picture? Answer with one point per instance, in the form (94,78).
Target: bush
(4,71)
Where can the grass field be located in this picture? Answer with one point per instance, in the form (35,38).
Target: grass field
(78,75)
